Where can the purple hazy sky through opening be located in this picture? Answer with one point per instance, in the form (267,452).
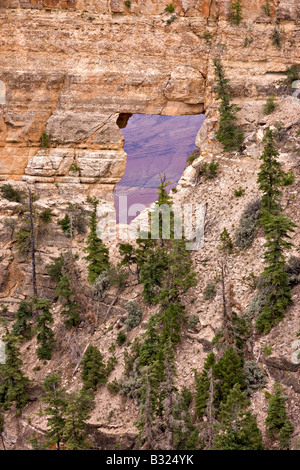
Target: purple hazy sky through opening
(155,144)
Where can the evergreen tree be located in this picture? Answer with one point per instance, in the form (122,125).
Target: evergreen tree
(56,400)
(227,372)
(23,316)
(203,384)
(13,382)
(236,12)
(229,135)
(275,275)
(277,422)
(45,336)
(93,368)
(98,254)
(270,176)
(77,412)
(70,310)
(238,428)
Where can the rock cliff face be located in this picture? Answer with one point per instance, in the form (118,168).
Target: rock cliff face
(75,69)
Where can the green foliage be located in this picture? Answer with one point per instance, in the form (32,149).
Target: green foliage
(245,233)
(121,338)
(267,350)
(277,422)
(65,224)
(266,8)
(93,368)
(238,428)
(270,105)
(13,383)
(134,315)
(55,399)
(45,140)
(45,216)
(227,372)
(77,412)
(236,12)
(70,310)
(45,336)
(226,242)
(270,175)
(98,254)
(127,3)
(229,135)
(210,291)
(288,178)
(74,168)
(279,297)
(255,377)
(23,317)
(292,74)
(55,269)
(192,322)
(208,170)
(101,285)
(113,387)
(239,192)
(202,383)
(170,8)
(11,194)
(192,156)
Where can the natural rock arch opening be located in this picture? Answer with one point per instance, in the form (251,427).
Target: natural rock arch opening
(154,144)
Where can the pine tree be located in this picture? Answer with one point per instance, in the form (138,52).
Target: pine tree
(279,296)
(56,401)
(23,316)
(70,310)
(229,135)
(77,412)
(277,422)
(98,254)
(93,368)
(270,176)
(227,372)
(238,428)
(45,336)
(13,382)
(202,385)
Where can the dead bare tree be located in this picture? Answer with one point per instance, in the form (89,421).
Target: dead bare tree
(32,241)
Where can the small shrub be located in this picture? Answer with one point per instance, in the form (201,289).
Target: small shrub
(210,170)
(226,242)
(236,12)
(121,338)
(192,156)
(267,350)
(113,387)
(65,224)
(210,291)
(45,140)
(270,105)
(93,368)
(74,168)
(255,377)
(266,8)
(134,315)
(276,38)
(192,322)
(239,192)
(292,74)
(245,233)
(46,216)
(279,130)
(111,365)
(101,285)
(207,35)
(170,8)
(288,178)
(11,194)
(127,3)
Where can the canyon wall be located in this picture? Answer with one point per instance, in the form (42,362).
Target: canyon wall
(75,70)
